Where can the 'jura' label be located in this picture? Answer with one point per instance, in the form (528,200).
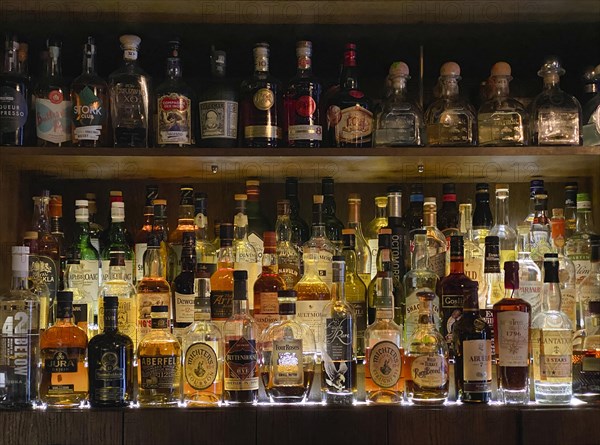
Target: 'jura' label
(53,118)
(13,109)
(287,363)
(241,361)
(159,372)
(201,365)
(218,119)
(477,360)
(429,371)
(89,114)
(385,364)
(62,360)
(174,120)
(513,338)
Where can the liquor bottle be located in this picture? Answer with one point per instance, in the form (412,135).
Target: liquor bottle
(399,121)
(474,262)
(540,232)
(338,334)
(590,84)
(590,132)
(571,189)
(372,230)
(268,283)
(259,101)
(203,351)
(535,186)
(448,217)
(301,102)
(502,120)
(300,230)
(493,289)
(355,290)
(566,268)
(56,228)
(185,222)
(89,97)
(502,228)
(320,243)
(287,354)
(384,382)
(37,285)
(288,253)
(15,97)
(419,278)
(130,89)
(586,377)
(184,287)
(217,231)
(64,372)
(110,362)
(20,336)
(361,248)
(141,237)
(206,253)
(482,215)
(152,290)
(400,241)
(221,282)
(349,112)
(578,246)
(52,104)
(551,340)
(159,358)
(241,356)
(85,305)
(450,120)
(218,106)
(117,242)
(530,275)
(512,320)
(451,290)
(332,223)
(555,115)
(472,341)
(175,104)
(436,241)
(425,366)
(589,289)
(257,221)
(244,253)
(95,228)
(114,196)
(413,217)
(161,230)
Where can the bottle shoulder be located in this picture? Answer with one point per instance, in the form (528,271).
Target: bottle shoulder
(62,335)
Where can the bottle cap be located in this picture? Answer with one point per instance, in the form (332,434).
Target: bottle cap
(381,201)
(130,41)
(111,302)
(450,69)
(482,187)
(55,209)
(551,65)
(270,241)
(64,296)
(500,69)
(20,260)
(398,69)
(81,210)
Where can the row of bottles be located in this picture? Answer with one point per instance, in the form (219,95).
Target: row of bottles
(127,112)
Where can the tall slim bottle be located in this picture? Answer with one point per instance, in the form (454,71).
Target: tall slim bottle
(372,230)
(332,223)
(184,287)
(244,252)
(185,223)
(571,189)
(482,215)
(400,241)
(141,237)
(474,263)
(436,241)
(221,282)
(530,275)
(206,253)
(502,228)
(300,229)
(566,268)
(579,246)
(361,248)
(258,223)
(288,252)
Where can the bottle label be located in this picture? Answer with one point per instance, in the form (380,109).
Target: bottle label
(513,338)
(353,125)
(140,249)
(289,273)
(451,312)
(62,360)
(218,119)
(184,308)
(568,301)
(587,293)
(429,371)
(309,312)
(530,292)
(305,106)
(305,132)
(221,304)
(263,99)
(130,121)
(53,118)
(474,268)
(80,315)
(160,371)
(399,241)
(269,310)
(558,127)
(241,360)
(583,266)
(127,313)
(552,352)
(399,129)
(287,362)
(360,310)
(500,126)
(454,128)
(325,267)
(84,277)
(145,301)
(13,109)
(385,364)
(477,360)
(201,366)
(374,248)
(127,274)
(412,312)
(88,115)
(174,120)
(262,131)
(45,269)
(437,262)
(110,377)
(339,339)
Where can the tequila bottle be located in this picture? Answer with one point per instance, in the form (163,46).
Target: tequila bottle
(300,230)
(555,115)
(540,233)
(502,228)
(361,248)
(320,242)
(591,114)
(288,252)
(566,268)
(530,275)
(206,253)
(372,230)
(436,241)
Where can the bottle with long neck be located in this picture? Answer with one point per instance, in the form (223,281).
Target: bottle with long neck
(56,228)
(141,237)
(117,242)
(184,287)
(266,306)
(540,234)
(320,241)
(288,253)
(436,241)
(221,282)
(333,225)
(185,222)
(206,253)
(482,215)
(493,289)
(400,236)
(571,189)
(566,268)
(95,228)
(257,221)
(589,289)
(245,254)
(530,275)
(413,218)
(535,186)
(448,216)
(502,228)
(361,248)
(579,246)
(474,262)
(161,230)
(300,230)
(372,230)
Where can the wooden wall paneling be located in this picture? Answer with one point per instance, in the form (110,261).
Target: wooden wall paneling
(559,426)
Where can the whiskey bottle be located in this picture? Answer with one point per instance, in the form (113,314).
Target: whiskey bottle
(566,268)
(436,241)
(110,362)
(258,223)
(117,242)
(590,131)
(206,253)
(320,242)
(89,98)
(301,102)
(493,288)
(400,241)
(184,287)
(141,236)
(288,252)
(535,186)
(502,228)
(260,107)
(372,230)
(185,223)
(287,354)
(300,230)
(221,282)
(161,230)
(244,253)
(20,336)
(540,231)
(241,356)
(474,262)
(483,220)
(530,275)
(333,225)
(114,196)
(361,248)
(130,89)
(95,228)
(159,368)
(448,217)
(64,374)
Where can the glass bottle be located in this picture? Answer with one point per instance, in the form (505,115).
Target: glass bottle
(425,366)
(535,186)
(141,236)
(258,223)
(586,377)
(288,252)
(244,253)
(566,268)
(260,107)
(400,121)
(184,287)
(555,115)
(571,189)
(591,122)
(450,120)
(320,242)
(36,283)
(95,228)
(175,104)
(512,322)
(552,344)
(300,230)
(117,242)
(493,288)
(448,217)
(287,354)
(185,222)
(301,102)
(349,112)
(502,228)
(589,289)
(64,373)
(436,241)
(361,248)
(482,216)
(89,97)
(218,106)
(159,363)
(474,261)
(530,275)
(413,218)
(540,233)
(384,381)
(130,91)
(333,225)
(85,306)
(578,246)
(161,230)
(56,228)
(110,362)
(400,240)
(502,120)
(20,336)
(206,253)
(221,282)
(372,230)
(203,354)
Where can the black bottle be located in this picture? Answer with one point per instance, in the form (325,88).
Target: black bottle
(183,286)
(333,226)
(448,217)
(300,230)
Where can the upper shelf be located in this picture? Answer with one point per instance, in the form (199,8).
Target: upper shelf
(365,165)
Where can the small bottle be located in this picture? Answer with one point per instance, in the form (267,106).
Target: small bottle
(512,321)
(425,364)
(287,354)
(64,374)
(530,275)
(241,357)
(361,248)
(110,362)
(221,282)
(141,237)
(244,252)
(206,253)
(184,287)
(300,230)
(159,363)
(474,254)
(320,242)
(333,224)
(590,131)
(436,241)
(117,242)
(379,221)
(288,252)
(482,215)
(203,354)
(540,233)
(448,217)
(502,228)
(185,222)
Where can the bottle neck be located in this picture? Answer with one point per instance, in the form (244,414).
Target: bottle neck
(384,262)
(188,260)
(54,62)
(89,63)
(41,223)
(283,228)
(337,292)
(420,256)
(457,264)
(449,86)
(551,297)
(429,218)
(502,215)
(10,59)
(117,232)
(174,68)
(82,231)
(349,75)
(551,81)
(240,226)
(399,88)
(152,263)
(110,320)
(426,313)
(19,280)
(501,88)
(318,231)
(380,212)
(240,307)
(304,66)
(584,222)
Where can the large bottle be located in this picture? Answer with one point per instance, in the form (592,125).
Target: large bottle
(117,242)
(363,253)
(320,243)
(244,253)
(530,275)
(206,253)
(502,229)
(300,230)
(333,224)
(185,222)
(184,287)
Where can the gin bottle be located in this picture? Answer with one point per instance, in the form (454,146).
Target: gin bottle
(555,115)
(130,89)
(591,114)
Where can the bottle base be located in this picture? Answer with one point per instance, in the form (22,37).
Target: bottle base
(553,394)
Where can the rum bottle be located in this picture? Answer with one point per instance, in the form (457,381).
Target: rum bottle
(530,275)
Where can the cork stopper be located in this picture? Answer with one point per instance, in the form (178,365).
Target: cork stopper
(55,209)
(399,69)
(551,65)
(450,69)
(130,41)
(500,69)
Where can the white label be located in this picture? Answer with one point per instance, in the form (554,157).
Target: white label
(253,270)
(374,248)
(53,119)
(552,352)
(309,312)
(127,275)
(89,133)
(429,371)
(301,132)
(437,263)
(184,308)
(218,119)
(258,245)
(140,249)
(530,292)
(325,267)
(477,360)
(513,338)
(412,312)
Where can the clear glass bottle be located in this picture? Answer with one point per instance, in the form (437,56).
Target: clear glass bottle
(185,222)
(117,242)
(361,248)
(530,275)
(372,230)
(333,224)
(589,289)
(555,115)
(448,217)
(502,228)
(320,242)
(540,233)
(535,186)
(221,282)
(436,241)
(571,189)
(474,255)
(161,230)
(586,358)
(591,114)
(141,236)
(85,306)
(450,120)
(552,343)
(206,253)
(493,289)
(483,220)
(244,253)
(566,268)
(400,121)
(288,252)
